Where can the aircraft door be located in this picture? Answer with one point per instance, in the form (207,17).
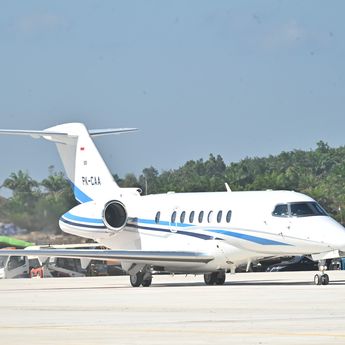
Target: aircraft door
(279,226)
(280,223)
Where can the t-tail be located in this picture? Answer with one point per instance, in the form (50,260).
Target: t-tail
(85,168)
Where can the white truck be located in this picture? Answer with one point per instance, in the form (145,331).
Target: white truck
(46,267)
(28,266)
(14,267)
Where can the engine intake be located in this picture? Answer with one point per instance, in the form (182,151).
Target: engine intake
(114,215)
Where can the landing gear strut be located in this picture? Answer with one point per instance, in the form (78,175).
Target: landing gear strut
(214,278)
(321,278)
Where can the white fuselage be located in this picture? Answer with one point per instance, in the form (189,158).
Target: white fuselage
(234,227)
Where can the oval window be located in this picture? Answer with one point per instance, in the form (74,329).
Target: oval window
(219,216)
(201,216)
(158,215)
(182,216)
(228,216)
(191,217)
(210,216)
(173,217)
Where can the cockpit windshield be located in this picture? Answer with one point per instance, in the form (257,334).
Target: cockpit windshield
(299,209)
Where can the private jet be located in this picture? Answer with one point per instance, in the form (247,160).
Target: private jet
(209,233)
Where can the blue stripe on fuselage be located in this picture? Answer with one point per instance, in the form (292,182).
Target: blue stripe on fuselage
(178,232)
(78,194)
(255,239)
(136,223)
(82,225)
(82,219)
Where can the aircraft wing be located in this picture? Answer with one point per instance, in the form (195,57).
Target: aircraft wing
(139,256)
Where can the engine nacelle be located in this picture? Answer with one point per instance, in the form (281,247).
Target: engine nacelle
(114,215)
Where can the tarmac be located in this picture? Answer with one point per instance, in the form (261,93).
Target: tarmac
(251,308)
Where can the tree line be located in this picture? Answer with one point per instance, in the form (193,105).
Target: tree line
(319,173)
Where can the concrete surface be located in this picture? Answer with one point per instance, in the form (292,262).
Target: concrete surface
(252,308)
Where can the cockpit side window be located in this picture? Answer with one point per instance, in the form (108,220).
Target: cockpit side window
(281,210)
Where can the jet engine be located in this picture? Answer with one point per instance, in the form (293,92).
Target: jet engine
(114,215)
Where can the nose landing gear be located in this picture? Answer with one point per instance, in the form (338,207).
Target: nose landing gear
(321,278)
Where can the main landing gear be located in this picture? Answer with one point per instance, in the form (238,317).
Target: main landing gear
(141,278)
(214,278)
(321,278)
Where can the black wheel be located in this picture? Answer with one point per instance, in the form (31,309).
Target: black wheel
(317,279)
(324,279)
(147,282)
(220,280)
(210,278)
(136,279)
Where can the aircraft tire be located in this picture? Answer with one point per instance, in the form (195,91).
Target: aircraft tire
(325,279)
(220,279)
(147,282)
(317,279)
(136,279)
(210,278)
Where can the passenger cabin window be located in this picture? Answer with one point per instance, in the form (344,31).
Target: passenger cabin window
(191,217)
(173,217)
(158,215)
(201,216)
(182,217)
(281,210)
(219,216)
(228,216)
(209,217)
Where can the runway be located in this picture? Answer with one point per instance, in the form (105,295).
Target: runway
(252,308)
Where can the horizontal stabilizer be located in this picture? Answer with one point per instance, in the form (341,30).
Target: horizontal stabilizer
(45,133)
(32,133)
(99,132)
(80,157)
(125,255)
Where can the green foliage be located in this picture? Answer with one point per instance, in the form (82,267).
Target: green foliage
(34,205)
(319,173)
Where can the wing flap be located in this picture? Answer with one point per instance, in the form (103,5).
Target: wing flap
(124,255)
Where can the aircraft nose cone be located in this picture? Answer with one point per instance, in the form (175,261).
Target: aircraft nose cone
(338,236)
(342,242)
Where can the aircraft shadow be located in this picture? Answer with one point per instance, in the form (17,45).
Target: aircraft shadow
(180,284)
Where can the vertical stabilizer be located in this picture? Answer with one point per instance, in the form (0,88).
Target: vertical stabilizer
(85,167)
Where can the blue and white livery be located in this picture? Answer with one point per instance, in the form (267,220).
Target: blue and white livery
(199,233)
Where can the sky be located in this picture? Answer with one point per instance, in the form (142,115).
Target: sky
(235,78)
